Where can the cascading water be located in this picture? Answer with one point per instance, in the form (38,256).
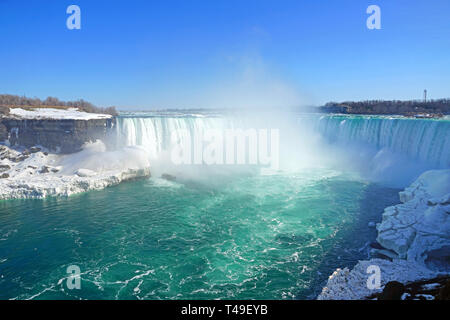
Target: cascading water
(154,133)
(417,139)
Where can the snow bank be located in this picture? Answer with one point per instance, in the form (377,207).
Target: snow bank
(52,113)
(42,174)
(415,234)
(344,284)
(421,224)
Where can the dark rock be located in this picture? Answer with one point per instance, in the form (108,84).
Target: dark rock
(376,245)
(45,153)
(7,155)
(32,167)
(444,293)
(4,176)
(4,110)
(65,136)
(19,158)
(392,291)
(168,177)
(425,289)
(4,167)
(35,149)
(382,254)
(3,132)
(26,152)
(44,169)
(54,170)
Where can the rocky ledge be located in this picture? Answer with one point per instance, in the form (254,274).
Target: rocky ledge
(414,239)
(58,135)
(58,130)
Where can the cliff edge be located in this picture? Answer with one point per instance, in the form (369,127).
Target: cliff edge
(56,129)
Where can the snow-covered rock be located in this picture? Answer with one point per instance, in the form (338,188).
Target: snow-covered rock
(421,224)
(345,284)
(44,174)
(85,173)
(415,235)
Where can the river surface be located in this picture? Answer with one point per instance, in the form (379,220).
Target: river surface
(256,237)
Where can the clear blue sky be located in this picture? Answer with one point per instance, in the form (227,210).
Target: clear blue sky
(170,54)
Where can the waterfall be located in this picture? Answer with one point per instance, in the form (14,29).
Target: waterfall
(154,133)
(421,140)
(424,140)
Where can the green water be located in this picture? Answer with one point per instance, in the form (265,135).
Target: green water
(250,237)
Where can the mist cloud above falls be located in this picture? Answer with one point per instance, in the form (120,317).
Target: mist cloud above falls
(252,84)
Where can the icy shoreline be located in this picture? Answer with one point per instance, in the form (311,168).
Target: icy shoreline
(35,173)
(416,239)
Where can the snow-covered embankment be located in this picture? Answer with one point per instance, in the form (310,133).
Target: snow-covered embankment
(416,239)
(35,173)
